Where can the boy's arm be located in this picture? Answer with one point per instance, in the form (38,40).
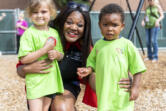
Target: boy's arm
(134,93)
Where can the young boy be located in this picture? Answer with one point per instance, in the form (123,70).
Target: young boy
(112,58)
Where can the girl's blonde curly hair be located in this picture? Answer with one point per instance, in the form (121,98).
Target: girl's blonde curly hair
(35,5)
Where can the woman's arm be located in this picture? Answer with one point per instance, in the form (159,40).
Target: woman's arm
(160,12)
(157,23)
(35,67)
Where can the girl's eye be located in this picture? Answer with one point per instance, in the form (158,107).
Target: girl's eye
(44,12)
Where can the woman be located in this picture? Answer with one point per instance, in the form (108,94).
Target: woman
(151,22)
(74,27)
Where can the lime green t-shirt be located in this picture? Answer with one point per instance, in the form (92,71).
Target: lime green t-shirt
(39,85)
(152,15)
(112,60)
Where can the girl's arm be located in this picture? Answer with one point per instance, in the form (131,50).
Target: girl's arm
(35,67)
(23,27)
(31,57)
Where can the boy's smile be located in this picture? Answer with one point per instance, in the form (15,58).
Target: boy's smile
(111,25)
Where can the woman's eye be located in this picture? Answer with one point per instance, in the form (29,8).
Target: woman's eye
(80,25)
(34,12)
(69,22)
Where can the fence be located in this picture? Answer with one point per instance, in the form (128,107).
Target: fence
(8,31)
(128,22)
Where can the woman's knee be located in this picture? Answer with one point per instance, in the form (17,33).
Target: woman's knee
(63,103)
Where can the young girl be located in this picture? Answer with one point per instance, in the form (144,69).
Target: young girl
(40,87)
(21,26)
(112,58)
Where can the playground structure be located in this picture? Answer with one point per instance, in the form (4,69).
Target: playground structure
(132,28)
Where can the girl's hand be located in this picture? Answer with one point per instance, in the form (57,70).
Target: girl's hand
(134,93)
(125,83)
(53,54)
(3,14)
(49,45)
(83,72)
(18,25)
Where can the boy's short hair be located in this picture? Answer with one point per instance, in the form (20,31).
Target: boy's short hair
(112,8)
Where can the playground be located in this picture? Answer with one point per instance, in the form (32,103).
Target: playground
(152,95)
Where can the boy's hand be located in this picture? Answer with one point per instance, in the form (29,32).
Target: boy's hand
(134,93)
(125,83)
(83,72)
(53,54)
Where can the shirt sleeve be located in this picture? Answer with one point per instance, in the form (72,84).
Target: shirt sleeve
(25,24)
(58,44)
(91,61)
(26,44)
(136,64)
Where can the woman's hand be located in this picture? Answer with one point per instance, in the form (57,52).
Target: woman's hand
(143,23)
(125,83)
(35,67)
(157,23)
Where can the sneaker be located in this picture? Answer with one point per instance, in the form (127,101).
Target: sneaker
(154,60)
(146,59)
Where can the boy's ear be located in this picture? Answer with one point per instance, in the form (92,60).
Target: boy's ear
(99,24)
(122,27)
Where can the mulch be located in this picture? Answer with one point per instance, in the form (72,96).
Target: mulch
(152,94)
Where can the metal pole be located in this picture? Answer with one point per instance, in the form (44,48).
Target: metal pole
(90,8)
(132,17)
(135,19)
